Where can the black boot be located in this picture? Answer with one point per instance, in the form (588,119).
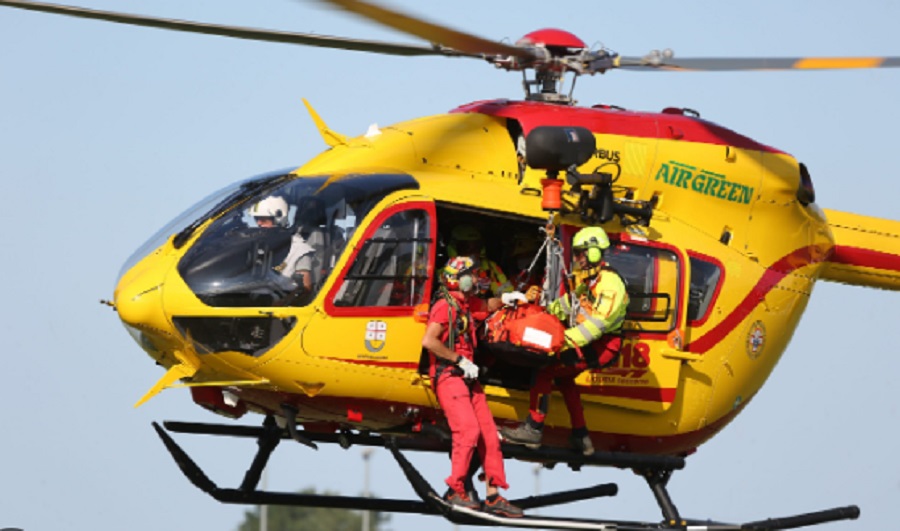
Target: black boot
(528,433)
(581,441)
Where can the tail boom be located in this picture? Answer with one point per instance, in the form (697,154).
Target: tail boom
(866,251)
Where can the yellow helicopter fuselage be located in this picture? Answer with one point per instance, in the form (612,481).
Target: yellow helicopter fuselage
(727,265)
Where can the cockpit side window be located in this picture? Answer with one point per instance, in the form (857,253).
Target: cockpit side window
(706,277)
(391,268)
(652,278)
(277,242)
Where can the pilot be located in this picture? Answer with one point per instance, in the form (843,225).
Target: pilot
(298,265)
(450,340)
(270,212)
(598,303)
(466,240)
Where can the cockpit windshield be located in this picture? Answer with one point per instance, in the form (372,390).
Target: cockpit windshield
(276,244)
(209,207)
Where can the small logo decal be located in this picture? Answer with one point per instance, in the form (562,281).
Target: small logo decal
(376,336)
(756,340)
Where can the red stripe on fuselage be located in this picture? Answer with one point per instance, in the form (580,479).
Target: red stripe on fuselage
(651,394)
(857,256)
(379,363)
(771,277)
(606,120)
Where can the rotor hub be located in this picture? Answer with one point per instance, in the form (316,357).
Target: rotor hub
(558,42)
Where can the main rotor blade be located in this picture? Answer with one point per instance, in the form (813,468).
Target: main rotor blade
(442,35)
(721,64)
(237,32)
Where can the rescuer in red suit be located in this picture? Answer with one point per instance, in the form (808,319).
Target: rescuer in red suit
(450,340)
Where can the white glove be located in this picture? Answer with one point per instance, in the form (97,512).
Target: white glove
(469,369)
(510,299)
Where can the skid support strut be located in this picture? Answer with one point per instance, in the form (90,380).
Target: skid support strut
(657,479)
(268,440)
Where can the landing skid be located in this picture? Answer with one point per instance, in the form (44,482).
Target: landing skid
(656,470)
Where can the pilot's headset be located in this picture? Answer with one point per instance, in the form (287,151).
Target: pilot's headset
(592,239)
(274,207)
(459,274)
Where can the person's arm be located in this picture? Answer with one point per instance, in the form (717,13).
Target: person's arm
(499,283)
(432,342)
(606,313)
(611,301)
(480,309)
(306,279)
(303,270)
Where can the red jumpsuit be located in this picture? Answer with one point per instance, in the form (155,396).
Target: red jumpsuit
(464,402)
(564,376)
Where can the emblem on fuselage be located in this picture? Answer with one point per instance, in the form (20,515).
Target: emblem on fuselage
(376,335)
(756,339)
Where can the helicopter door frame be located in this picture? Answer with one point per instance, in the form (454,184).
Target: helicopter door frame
(383,310)
(383,333)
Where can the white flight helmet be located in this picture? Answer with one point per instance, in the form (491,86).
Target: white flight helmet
(272,207)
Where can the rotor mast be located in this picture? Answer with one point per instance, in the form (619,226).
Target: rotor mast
(551,53)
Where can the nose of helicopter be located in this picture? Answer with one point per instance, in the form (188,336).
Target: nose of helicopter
(139,306)
(138,301)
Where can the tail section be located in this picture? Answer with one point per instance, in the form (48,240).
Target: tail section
(866,251)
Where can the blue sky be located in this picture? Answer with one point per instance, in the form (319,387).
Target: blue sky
(108,132)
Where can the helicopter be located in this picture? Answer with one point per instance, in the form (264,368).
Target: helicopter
(652,225)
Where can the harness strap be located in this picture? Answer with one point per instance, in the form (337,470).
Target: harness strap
(454,323)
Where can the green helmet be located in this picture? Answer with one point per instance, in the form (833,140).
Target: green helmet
(465,233)
(592,239)
(465,240)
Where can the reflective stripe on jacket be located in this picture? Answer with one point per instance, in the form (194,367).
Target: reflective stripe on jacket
(599,311)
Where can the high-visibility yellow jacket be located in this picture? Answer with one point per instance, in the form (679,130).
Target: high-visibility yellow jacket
(499,284)
(601,302)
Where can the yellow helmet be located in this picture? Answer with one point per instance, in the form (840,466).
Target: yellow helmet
(592,239)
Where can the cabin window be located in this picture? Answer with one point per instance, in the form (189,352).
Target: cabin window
(651,277)
(391,269)
(705,277)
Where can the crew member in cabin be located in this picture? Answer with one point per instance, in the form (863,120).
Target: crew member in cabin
(595,312)
(450,340)
(466,240)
